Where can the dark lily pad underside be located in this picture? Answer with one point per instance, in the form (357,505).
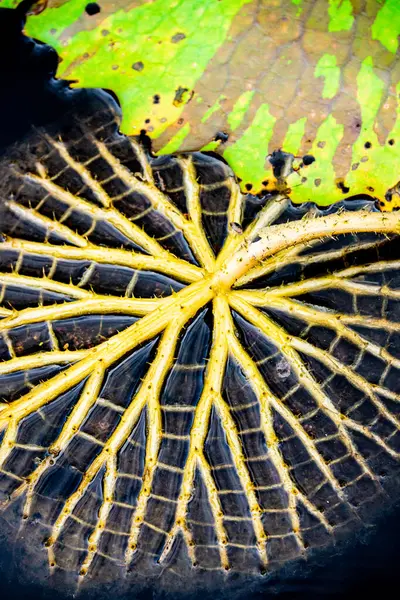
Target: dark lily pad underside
(192,381)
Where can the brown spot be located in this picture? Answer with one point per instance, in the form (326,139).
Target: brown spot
(321,144)
(303,179)
(317,182)
(355,166)
(370,189)
(364,159)
(105,32)
(182,96)
(138,66)
(178,37)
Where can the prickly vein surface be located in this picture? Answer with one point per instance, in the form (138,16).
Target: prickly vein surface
(190,379)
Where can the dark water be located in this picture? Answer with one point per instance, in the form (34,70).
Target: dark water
(29,96)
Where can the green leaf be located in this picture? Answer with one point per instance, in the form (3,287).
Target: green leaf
(185,70)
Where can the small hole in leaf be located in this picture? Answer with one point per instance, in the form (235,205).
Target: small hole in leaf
(341,185)
(265,182)
(248,186)
(147,121)
(221,136)
(308,159)
(367,145)
(156,99)
(391,142)
(92,9)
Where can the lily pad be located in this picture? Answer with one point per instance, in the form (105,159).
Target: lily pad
(319,77)
(192,380)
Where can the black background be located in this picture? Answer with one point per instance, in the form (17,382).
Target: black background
(365,566)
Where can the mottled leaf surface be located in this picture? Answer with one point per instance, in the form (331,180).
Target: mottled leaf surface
(317,77)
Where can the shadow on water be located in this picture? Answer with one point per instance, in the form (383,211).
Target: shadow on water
(366,565)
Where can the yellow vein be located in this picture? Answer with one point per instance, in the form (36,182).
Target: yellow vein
(143,160)
(121,432)
(151,387)
(9,440)
(267,215)
(200,245)
(109,481)
(333,281)
(235,446)
(72,425)
(127,258)
(358,382)
(283,340)
(88,306)
(41,359)
(274,238)
(45,284)
(158,200)
(292,255)
(212,385)
(185,302)
(85,174)
(265,397)
(35,218)
(332,320)
(109,215)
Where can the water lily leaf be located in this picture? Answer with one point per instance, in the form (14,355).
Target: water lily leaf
(191,378)
(311,77)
